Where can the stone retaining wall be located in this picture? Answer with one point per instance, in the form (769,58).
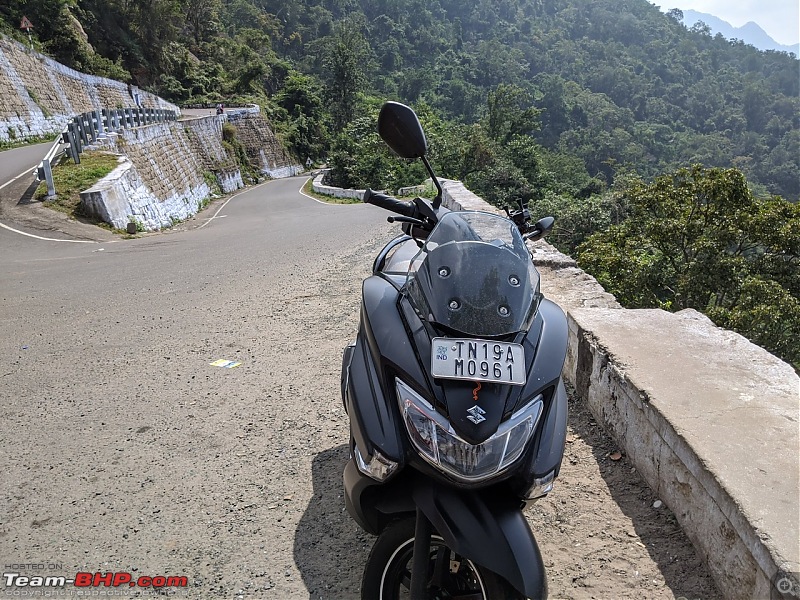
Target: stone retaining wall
(205,140)
(163,175)
(264,149)
(123,197)
(39,95)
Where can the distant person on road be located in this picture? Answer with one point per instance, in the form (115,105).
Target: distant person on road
(220,108)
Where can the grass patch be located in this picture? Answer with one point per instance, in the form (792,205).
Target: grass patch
(308,189)
(212,182)
(71,179)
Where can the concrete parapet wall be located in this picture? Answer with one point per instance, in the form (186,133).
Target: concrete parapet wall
(710,421)
(40,95)
(242,112)
(318,186)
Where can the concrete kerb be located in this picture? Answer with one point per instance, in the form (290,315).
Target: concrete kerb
(328,190)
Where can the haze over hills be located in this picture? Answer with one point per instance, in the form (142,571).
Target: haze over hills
(750,33)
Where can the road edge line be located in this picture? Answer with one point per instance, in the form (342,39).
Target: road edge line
(239,193)
(46,239)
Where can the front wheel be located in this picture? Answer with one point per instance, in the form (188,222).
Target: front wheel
(387,575)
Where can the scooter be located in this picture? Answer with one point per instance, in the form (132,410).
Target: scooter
(453,389)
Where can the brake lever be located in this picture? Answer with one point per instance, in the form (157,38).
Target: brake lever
(411,220)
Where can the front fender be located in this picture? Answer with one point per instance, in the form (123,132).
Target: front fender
(487,528)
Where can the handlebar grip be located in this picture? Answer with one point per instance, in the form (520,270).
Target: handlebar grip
(394,205)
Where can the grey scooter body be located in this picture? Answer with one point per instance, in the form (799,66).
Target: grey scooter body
(481,520)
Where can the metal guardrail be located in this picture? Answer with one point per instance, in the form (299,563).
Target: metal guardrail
(44,172)
(86,128)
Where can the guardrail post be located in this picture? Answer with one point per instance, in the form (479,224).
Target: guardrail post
(48,178)
(128,119)
(74,142)
(82,131)
(98,116)
(92,126)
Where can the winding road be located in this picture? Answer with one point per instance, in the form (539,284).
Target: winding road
(124,449)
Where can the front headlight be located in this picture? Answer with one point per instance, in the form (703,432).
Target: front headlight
(439,444)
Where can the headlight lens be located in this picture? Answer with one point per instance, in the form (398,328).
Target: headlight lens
(439,444)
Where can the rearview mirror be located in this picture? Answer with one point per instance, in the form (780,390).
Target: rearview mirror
(541,229)
(399,127)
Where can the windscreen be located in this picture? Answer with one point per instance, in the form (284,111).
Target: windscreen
(474,276)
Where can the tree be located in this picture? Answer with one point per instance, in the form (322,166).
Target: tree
(345,63)
(301,98)
(698,238)
(510,113)
(202,19)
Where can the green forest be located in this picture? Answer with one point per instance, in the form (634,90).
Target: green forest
(669,157)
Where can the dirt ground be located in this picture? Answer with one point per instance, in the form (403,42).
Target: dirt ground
(599,533)
(248,503)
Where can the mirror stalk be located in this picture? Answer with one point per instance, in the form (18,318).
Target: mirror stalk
(438,200)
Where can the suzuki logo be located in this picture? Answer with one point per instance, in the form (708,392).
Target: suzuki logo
(476,414)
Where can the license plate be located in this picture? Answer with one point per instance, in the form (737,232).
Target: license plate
(478,360)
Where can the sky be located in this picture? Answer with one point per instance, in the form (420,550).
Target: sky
(779,18)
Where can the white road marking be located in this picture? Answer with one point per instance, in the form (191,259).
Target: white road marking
(228,200)
(46,239)
(38,237)
(28,171)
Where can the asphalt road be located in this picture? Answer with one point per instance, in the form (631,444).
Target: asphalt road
(120,444)
(21,160)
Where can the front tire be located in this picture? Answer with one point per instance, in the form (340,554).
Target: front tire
(387,575)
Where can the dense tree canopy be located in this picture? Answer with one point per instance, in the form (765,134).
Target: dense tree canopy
(698,238)
(616,82)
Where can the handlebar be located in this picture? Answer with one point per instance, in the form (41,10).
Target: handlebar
(394,205)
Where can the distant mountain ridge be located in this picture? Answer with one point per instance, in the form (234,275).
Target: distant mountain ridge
(750,33)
